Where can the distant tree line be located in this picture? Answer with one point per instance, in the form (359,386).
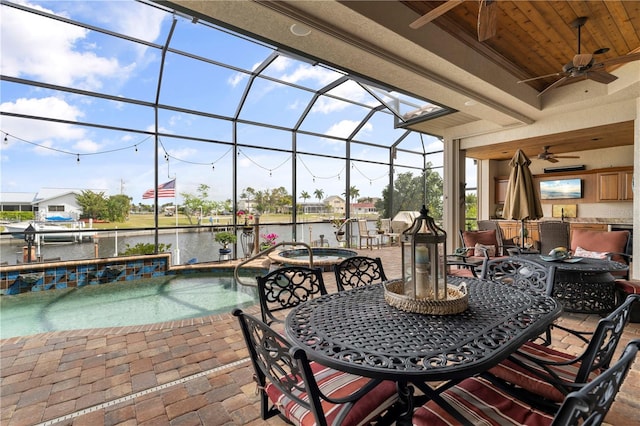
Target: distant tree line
(410,192)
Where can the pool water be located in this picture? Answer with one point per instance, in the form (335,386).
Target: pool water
(120,304)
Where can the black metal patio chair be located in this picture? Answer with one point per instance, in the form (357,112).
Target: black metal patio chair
(547,375)
(479,401)
(357,271)
(286,287)
(304,392)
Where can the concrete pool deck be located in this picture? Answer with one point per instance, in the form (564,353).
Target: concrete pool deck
(191,372)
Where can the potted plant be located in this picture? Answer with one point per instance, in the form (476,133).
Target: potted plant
(338,223)
(268,241)
(225,238)
(379,226)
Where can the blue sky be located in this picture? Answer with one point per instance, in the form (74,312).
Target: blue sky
(39,154)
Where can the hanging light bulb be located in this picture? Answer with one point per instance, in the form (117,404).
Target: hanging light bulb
(338,177)
(314,179)
(136,148)
(270,174)
(6,140)
(78,158)
(213,167)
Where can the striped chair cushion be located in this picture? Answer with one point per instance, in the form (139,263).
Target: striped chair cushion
(481,403)
(523,377)
(336,384)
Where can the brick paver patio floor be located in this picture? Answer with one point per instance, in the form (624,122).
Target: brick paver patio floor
(191,372)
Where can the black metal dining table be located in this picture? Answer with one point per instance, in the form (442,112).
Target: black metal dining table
(357,331)
(585,286)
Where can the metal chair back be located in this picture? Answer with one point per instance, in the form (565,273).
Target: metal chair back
(521,273)
(274,360)
(605,339)
(357,271)
(590,405)
(286,287)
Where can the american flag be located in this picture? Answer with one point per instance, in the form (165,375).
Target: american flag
(166,190)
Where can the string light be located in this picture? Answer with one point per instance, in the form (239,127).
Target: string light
(314,176)
(74,153)
(168,156)
(6,140)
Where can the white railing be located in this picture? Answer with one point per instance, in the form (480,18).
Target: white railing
(236,276)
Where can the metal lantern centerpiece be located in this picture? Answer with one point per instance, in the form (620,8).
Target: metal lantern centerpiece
(423,288)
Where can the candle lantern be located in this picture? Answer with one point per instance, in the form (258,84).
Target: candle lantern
(424,259)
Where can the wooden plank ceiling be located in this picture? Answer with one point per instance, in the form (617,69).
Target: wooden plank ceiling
(537,38)
(599,137)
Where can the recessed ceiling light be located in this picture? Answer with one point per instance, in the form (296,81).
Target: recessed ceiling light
(470,102)
(300,30)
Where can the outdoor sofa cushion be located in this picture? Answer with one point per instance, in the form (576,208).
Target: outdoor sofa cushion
(601,241)
(471,238)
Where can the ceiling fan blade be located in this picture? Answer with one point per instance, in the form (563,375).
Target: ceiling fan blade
(582,60)
(551,159)
(566,156)
(601,76)
(620,59)
(555,84)
(435,13)
(555,74)
(487,18)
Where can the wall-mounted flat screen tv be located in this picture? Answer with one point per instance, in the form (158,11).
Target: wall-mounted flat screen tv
(560,189)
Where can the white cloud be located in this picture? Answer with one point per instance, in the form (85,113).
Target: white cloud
(34,131)
(344,128)
(52,51)
(86,146)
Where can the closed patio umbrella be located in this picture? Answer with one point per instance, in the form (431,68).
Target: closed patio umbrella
(521,201)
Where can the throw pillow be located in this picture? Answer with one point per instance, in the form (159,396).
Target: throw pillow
(580,252)
(480,248)
(470,239)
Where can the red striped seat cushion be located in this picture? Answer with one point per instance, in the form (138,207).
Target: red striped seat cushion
(520,376)
(481,403)
(336,384)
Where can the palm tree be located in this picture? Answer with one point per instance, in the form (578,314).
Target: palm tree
(305,196)
(319,193)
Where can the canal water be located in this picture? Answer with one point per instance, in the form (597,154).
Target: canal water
(192,246)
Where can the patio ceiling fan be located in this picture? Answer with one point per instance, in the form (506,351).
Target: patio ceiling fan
(486,17)
(583,65)
(551,157)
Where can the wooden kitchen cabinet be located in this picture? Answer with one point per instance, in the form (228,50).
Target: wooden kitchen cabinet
(615,186)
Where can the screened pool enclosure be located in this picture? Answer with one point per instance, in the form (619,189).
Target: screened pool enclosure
(121,97)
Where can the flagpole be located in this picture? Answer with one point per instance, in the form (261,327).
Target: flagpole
(176,260)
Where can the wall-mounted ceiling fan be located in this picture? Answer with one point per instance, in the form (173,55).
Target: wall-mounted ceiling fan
(583,65)
(486,17)
(551,157)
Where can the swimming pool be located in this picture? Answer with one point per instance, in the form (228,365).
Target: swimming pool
(118,304)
